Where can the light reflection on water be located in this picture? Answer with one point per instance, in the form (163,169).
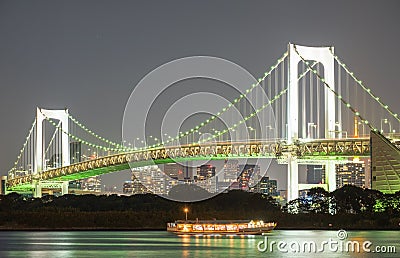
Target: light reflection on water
(164,244)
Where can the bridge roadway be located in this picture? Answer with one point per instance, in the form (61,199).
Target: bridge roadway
(305,150)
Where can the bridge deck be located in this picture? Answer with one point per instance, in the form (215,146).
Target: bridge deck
(303,150)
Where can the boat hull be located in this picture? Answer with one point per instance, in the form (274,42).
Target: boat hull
(220,228)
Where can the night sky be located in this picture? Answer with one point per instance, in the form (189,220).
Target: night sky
(88,55)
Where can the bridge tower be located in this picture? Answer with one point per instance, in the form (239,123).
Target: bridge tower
(324,56)
(39,153)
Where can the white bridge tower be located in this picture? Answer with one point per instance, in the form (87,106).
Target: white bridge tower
(40,157)
(324,56)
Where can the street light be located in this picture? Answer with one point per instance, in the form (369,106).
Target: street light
(339,133)
(148,143)
(165,138)
(339,130)
(181,135)
(186,210)
(386,122)
(134,143)
(255,132)
(217,133)
(309,125)
(194,134)
(233,137)
(270,129)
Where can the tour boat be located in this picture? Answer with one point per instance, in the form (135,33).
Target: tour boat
(223,227)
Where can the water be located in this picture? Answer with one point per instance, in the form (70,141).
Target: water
(164,244)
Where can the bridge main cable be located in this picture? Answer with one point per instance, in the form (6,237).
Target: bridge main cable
(225,109)
(368,90)
(345,102)
(276,97)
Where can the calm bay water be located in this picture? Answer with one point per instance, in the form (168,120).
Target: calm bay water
(164,244)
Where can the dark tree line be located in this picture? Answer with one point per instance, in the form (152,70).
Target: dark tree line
(130,212)
(346,200)
(349,207)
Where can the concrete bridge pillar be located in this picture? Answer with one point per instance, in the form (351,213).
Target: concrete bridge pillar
(37,190)
(293,179)
(64,188)
(330,175)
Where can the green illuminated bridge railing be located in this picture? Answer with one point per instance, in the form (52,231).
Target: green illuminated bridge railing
(313,149)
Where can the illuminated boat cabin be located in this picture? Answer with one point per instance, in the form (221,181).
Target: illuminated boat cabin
(220,226)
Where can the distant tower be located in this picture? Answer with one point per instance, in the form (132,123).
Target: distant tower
(356,129)
(231,171)
(351,173)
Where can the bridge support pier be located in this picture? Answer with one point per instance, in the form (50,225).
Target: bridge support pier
(330,175)
(37,190)
(39,185)
(64,188)
(293,179)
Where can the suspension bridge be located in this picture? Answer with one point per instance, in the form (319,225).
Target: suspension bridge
(323,114)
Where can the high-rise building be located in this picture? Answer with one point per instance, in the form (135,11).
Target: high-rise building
(85,186)
(248,176)
(137,186)
(92,184)
(205,172)
(231,171)
(151,177)
(266,186)
(206,178)
(350,174)
(127,187)
(315,174)
(74,186)
(175,171)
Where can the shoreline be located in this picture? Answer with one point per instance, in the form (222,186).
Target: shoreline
(3,229)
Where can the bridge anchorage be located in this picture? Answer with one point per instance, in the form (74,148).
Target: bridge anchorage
(324,115)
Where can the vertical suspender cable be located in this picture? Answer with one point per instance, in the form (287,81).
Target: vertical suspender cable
(33,148)
(357,105)
(269,85)
(283,115)
(311,98)
(22,168)
(348,97)
(263,117)
(59,150)
(318,102)
(276,73)
(303,103)
(364,111)
(56,142)
(43,146)
(339,104)
(34,144)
